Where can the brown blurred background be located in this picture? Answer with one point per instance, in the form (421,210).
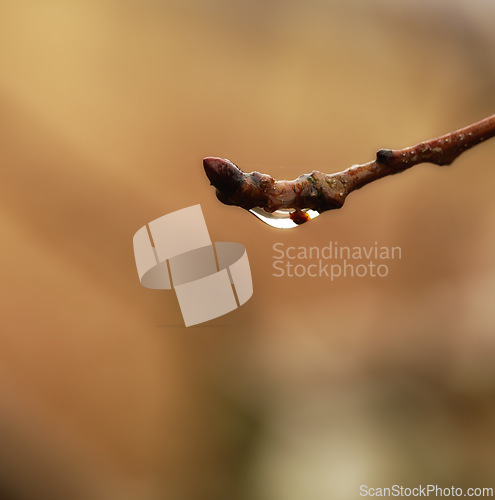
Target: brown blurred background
(312,388)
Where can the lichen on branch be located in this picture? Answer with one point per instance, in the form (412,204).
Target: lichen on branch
(322,192)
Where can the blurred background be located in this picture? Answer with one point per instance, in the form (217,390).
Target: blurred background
(313,387)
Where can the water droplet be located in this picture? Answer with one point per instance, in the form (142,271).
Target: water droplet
(280,219)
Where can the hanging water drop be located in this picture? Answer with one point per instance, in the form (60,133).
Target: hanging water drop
(284,219)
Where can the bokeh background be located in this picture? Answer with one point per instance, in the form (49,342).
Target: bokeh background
(312,388)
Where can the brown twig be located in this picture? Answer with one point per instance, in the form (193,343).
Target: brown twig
(323,192)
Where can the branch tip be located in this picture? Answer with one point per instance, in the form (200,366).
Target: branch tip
(322,192)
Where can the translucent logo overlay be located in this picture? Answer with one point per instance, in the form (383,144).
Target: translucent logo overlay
(209,279)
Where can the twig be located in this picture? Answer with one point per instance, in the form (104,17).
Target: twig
(323,192)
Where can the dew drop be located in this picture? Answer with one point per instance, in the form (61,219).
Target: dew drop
(281,219)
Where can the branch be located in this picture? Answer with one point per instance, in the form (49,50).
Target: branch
(322,192)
